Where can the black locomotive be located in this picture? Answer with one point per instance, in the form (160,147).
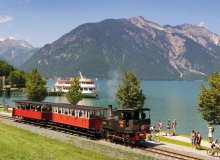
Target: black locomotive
(126,125)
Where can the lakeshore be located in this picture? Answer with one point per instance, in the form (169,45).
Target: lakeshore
(166,99)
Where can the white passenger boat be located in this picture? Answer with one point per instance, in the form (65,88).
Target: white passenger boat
(87,86)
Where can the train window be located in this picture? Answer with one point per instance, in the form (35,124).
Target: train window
(66,111)
(49,109)
(91,114)
(136,115)
(80,113)
(70,111)
(62,110)
(105,113)
(97,113)
(59,110)
(22,107)
(143,115)
(38,108)
(55,109)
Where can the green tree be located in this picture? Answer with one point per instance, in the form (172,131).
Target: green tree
(17,78)
(74,95)
(129,94)
(209,100)
(36,89)
(5,68)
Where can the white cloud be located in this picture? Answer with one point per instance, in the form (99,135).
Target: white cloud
(5,18)
(201,24)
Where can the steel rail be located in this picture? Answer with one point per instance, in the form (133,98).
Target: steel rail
(174,155)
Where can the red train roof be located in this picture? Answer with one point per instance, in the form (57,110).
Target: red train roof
(63,105)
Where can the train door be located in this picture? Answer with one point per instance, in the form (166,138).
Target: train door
(46,113)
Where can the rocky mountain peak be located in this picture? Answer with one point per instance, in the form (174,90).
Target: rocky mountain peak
(199,34)
(15,52)
(153,51)
(10,42)
(143,23)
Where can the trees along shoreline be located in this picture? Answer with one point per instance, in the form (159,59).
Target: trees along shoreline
(74,95)
(36,89)
(129,94)
(209,100)
(14,78)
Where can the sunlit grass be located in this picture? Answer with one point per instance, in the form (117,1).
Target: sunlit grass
(177,142)
(20,144)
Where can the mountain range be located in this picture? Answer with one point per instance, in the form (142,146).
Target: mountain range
(15,52)
(153,51)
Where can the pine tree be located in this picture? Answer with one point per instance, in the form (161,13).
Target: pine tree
(74,95)
(209,100)
(129,94)
(36,89)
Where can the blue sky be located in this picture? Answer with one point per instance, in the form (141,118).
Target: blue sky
(43,21)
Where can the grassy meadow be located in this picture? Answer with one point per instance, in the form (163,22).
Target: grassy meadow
(17,144)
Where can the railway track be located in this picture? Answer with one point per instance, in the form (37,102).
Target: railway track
(174,155)
(83,133)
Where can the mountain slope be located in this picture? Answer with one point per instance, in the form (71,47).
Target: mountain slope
(155,52)
(16,52)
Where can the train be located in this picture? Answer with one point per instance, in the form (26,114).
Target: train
(125,125)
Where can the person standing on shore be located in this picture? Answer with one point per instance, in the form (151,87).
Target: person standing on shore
(198,140)
(210,132)
(174,125)
(192,138)
(160,125)
(168,128)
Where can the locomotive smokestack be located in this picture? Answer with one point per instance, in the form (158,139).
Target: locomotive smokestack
(110,110)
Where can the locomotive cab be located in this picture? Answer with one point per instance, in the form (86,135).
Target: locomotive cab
(132,123)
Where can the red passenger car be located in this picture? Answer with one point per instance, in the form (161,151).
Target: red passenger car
(32,110)
(74,115)
(79,116)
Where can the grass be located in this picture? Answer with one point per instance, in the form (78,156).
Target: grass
(181,143)
(3,110)
(16,144)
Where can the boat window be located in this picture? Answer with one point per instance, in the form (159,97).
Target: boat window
(90,89)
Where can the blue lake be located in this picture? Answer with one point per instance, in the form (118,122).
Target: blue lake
(166,99)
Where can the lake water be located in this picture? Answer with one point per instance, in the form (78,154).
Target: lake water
(166,99)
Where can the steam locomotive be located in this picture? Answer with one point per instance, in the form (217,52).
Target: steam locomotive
(126,125)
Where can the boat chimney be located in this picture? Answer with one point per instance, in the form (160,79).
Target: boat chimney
(110,110)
